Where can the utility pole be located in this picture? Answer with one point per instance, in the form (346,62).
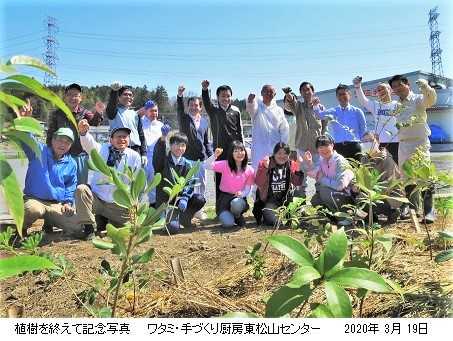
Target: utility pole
(51,44)
(436,51)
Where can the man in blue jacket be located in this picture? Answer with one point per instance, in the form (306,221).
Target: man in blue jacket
(51,181)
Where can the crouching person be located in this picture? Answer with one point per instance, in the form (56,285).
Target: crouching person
(237,179)
(382,161)
(333,176)
(274,178)
(117,154)
(187,202)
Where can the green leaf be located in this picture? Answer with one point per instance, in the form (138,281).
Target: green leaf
(292,248)
(8,69)
(240,314)
(156,181)
(386,240)
(25,138)
(11,101)
(338,300)
(119,183)
(144,257)
(446,235)
(154,215)
(444,256)
(45,93)
(13,266)
(30,61)
(335,250)
(118,236)
(99,162)
(28,125)
(12,193)
(285,300)
(320,311)
(122,198)
(101,244)
(104,312)
(361,278)
(303,275)
(138,184)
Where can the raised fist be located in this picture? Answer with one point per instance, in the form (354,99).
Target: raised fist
(83,127)
(266,162)
(218,152)
(357,81)
(26,110)
(100,107)
(251,98)
(421,83)
(116,85)
(205,84)
(181,90)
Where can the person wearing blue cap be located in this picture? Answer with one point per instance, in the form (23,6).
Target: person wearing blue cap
(120,113)
(100,192)
(50,183)
(196,128)
(152,130)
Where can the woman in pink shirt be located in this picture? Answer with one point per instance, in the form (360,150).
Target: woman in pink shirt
(237,179)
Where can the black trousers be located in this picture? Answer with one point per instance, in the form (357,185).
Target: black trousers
(392,147)
(350,150)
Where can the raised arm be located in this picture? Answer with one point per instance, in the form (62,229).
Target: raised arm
(86,139)
(112,104)
(363,100)
(429,94)
(180,105)
(206,99)
(141,136)
(251,106)
(51,127)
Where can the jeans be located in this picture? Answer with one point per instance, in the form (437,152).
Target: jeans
(237,207)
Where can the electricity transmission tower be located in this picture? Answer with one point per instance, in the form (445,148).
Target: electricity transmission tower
(51,44)
(436,51)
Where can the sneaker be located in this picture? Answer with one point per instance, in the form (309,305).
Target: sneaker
(174,227)
(429,218)
(405,212)
(201,215)
(344,222)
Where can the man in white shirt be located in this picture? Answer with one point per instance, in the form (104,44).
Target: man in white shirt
(413,129)
(269,125)
(152,130)
(117,155)
(383,111)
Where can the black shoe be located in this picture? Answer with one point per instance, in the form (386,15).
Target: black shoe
(46,228)
(392,218)
(88,232)
(240,221)
(101,222)
(429,218)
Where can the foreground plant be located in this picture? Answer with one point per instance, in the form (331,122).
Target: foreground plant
(423,174)
(16,130)
(327,272)
(124,241)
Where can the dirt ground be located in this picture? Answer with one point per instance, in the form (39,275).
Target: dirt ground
(217,280)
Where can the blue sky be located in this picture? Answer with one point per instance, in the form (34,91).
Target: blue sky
(241,43)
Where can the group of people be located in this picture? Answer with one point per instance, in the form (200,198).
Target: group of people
(283,155)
